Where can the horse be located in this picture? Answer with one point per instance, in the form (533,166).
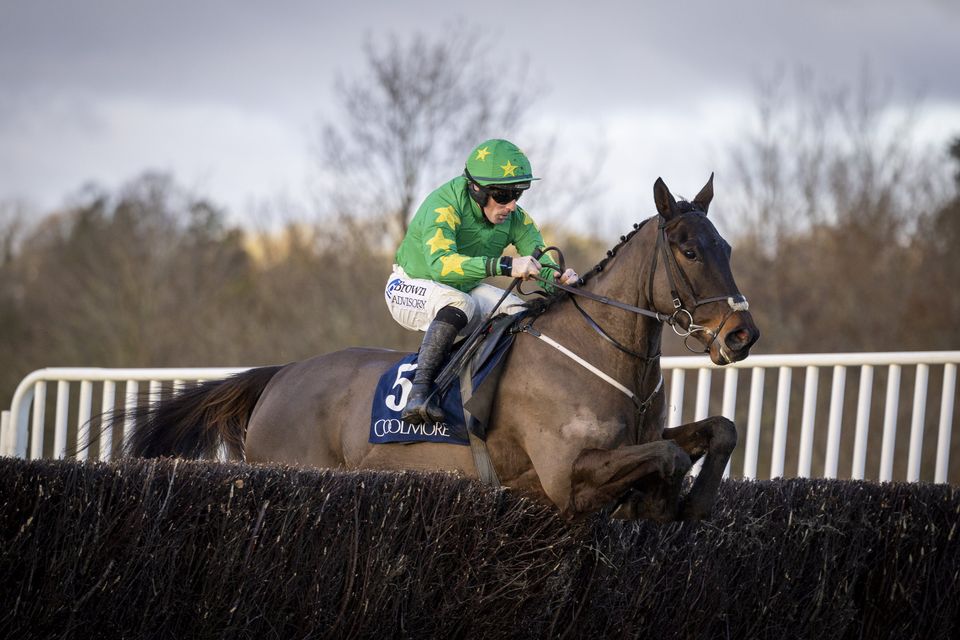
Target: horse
(578,419)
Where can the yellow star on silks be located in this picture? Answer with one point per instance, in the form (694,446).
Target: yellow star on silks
(528,220)
(509,169)
(438,242)
(451,264)
(483,153)
(448,215)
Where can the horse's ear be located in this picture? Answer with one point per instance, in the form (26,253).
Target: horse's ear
(702,201)
(666,204)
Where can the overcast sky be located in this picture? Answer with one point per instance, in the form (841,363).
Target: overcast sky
(225,95)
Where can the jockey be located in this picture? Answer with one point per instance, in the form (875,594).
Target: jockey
(455,240)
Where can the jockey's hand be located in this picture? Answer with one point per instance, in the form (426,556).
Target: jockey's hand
(569,277)
(525,267)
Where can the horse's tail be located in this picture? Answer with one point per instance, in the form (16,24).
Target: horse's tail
(196,422)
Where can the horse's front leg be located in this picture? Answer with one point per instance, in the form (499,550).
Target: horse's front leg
(603,477)
(715,438)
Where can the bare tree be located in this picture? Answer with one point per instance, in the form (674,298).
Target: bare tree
(413,117)
(12,224)
(833,189)
(935,301)
(822,155)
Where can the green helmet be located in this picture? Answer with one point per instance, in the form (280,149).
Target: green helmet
(499,162)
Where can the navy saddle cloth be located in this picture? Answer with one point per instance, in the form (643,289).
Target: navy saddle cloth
(390,395)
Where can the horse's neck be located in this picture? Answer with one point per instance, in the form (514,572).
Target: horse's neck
(624,279)
(629,282)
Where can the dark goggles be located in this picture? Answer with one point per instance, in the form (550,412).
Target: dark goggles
(501,195)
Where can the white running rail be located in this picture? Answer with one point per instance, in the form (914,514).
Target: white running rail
(18,430)
(764,434)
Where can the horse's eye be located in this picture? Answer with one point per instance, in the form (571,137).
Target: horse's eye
(689,254)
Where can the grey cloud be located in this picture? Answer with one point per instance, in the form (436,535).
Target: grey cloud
(270,54)
(600,58)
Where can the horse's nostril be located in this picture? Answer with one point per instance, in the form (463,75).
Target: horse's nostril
(739,339)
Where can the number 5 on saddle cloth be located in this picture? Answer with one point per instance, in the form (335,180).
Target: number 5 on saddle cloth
(464,400)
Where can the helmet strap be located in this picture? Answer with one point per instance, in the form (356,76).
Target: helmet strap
(480,194)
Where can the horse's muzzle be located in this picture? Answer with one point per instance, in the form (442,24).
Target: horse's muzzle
(736,338)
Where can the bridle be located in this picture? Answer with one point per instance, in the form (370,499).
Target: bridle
(735,303)
(684,329)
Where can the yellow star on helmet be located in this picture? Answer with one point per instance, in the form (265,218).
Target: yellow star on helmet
(509,169)
(452,264)
(438,242)
(483,153)
(448,215)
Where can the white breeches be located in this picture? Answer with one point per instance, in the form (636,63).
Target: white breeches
(414,302)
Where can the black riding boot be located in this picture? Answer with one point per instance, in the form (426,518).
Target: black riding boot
(433,352)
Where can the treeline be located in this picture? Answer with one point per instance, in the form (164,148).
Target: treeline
(152,276)
(847,227)
(155,276)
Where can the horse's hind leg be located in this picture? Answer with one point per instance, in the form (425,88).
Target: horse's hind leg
(602,477)
(714,438)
